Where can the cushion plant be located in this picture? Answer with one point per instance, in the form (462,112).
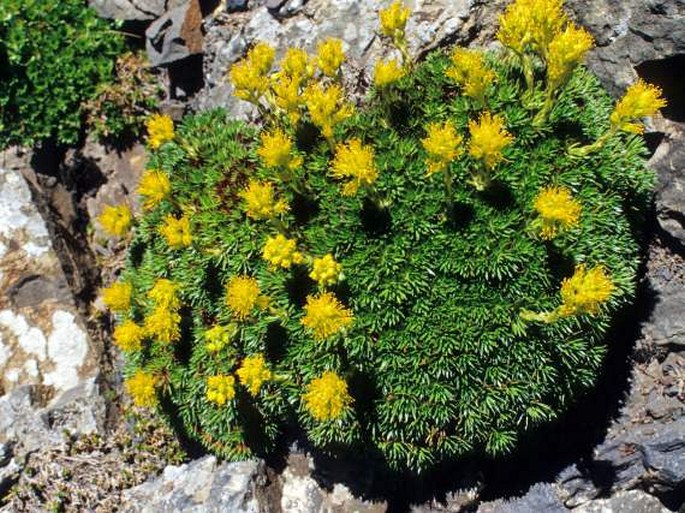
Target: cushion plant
(427,274)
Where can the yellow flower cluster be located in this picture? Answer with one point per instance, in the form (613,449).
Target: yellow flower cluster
(117,297)
(296,63)
(296,69)
(566,51)
(469,71)
(330,56)
(141,388)
(394,20)
(327,107)
(281,252)
(218,337)
(531,24)
(355,162)
(327,397)
(164,293)
(325,315)
(640,100)
(176,232)
(277,150)
(160,129)
(220,389)
(488,139)
(250,76)
(128,336)
(253,373)
(558,211)
(116,220)
(260,200)
(585,291)
(386,73)
(163,323)
(443,145)
(242,295)
(154,186)
(287,95)
(325,270)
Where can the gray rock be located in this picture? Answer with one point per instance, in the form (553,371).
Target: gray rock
(633,501)
(202,486)
(629,33)
(667,324)
(669,163)
(133,10)
(236,5)
(541,497)
(30,421)
(356,23)
(42,336)
(175,35)
(652,454)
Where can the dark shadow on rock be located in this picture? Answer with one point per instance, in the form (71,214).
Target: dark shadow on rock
(669,75)
(652,141)
(186,77)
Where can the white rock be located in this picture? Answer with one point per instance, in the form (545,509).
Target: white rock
(67,349)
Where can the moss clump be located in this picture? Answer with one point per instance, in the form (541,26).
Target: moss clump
(53,58)
(418,297)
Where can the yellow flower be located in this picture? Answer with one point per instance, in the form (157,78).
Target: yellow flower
(327,397)
(327,107)
(219,336)
(585,291)
(566,51)
(531,23)
(128,336)
(260,201)
(325,270)
(488,139)
(242,295)
(277,150)
(443,145)
(163,325)
(154,186)
(176,232)
(281,252)
(261,57)
(354,161)
(220,389)
(469,71)
(248,83)
(297,64)
(164,294)
(386,73)
(160,129)
(249,76)
(558,210)
(394,20)
(117,297)
(325,315)
(330,56)
(116,220)
(287,96)
(141,388)
(641,100)
(253,373)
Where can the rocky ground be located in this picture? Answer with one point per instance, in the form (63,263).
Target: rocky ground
(68,441)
